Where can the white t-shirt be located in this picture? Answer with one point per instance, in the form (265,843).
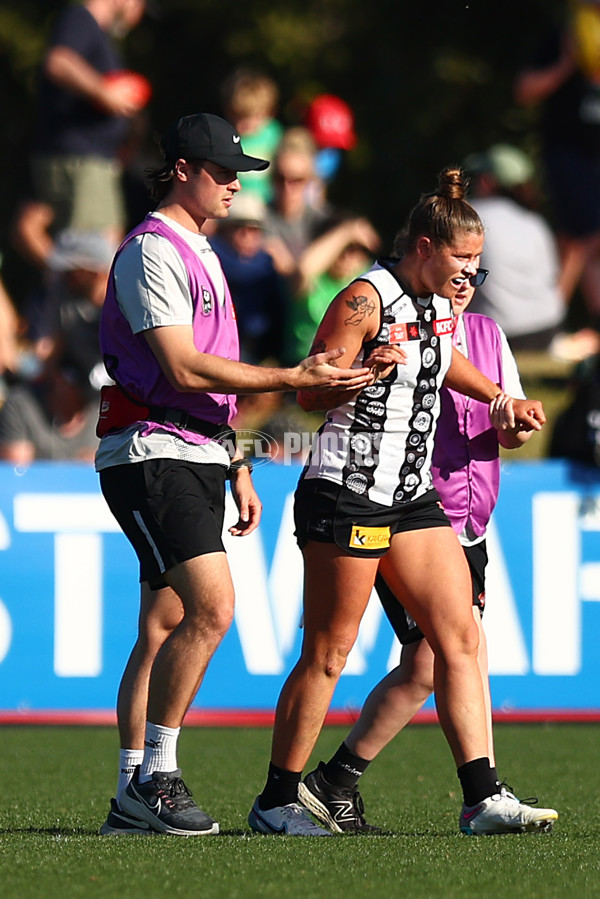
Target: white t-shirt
(152,289)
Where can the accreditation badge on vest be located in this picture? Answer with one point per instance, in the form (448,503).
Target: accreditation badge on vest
(207,301)
(369,538)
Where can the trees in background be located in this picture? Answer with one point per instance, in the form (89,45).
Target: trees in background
(429,81)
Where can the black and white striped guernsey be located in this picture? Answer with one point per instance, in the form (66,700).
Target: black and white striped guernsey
(380,444)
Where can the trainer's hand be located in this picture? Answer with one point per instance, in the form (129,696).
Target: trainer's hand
(529,414)
(507,413)
(320,372)
(248,503)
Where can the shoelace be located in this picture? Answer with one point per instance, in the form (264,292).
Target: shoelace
(531,800)
(174,793)
(296,811)
(356,800)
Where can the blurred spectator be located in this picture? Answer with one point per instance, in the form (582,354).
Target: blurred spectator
(291,222)
(51,406)
(563,78)
(257,290)
(295,228)
(576,430)
(31,232)
(306,241)
(250,100)
(53,417)
(331,124)
(521,292)
(9,339)
(345,250)
(67,329)
(83,116)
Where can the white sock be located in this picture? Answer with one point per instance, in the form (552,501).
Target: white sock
(160,750)
(128,760)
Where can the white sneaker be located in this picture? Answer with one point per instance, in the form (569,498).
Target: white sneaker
(503,813)
(290,820)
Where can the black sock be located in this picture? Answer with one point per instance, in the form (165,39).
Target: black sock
(281,788)
(344,768)
(494,774)
(477,781)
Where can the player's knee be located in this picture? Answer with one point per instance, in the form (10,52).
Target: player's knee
(214,623)
(334,656)
(334,663)
(422,685)
(458,642)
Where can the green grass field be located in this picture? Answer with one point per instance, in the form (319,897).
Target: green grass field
(57,783)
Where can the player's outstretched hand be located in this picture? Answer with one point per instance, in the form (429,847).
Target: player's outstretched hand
(383,360)
(320,372)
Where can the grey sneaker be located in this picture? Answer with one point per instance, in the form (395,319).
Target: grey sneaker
(118,822)
(287,820)
(339,808)
(166,804)
(503,813)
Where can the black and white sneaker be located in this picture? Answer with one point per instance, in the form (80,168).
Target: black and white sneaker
(166,804)
(339,808)
(118,823)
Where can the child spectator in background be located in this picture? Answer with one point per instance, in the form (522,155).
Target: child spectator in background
(250,101)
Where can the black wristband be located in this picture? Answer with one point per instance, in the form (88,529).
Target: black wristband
(239,463)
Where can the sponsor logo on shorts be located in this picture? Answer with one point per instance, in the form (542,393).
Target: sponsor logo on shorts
(369,538)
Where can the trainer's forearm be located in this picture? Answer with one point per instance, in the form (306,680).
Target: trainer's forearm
(218,375)
(463,377)
(513,438)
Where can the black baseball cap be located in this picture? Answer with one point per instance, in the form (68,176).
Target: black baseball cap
(209,137)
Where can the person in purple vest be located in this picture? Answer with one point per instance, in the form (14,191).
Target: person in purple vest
(169,341)
(466,474)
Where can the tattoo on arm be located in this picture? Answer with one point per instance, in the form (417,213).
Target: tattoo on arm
(361,307)
(319,346)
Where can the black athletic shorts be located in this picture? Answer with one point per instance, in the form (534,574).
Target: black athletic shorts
(405,627)
(328,513)
(169,510)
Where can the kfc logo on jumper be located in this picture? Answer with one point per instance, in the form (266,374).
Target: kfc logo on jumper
(443,326)
(404,331)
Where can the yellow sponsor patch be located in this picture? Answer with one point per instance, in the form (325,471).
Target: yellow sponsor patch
(369,538)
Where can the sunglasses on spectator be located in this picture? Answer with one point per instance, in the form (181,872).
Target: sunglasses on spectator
(283,180)
(478,279)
